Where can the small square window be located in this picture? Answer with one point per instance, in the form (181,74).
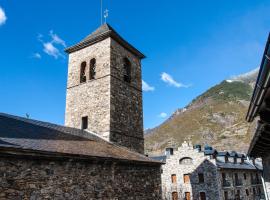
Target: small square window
(84,122)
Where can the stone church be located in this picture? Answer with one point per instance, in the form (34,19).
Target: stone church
(98,154)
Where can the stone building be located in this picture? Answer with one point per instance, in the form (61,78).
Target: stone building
(190,173)
(260,108)
(98,154)
(104,88)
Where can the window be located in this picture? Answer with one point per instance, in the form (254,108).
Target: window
(202,196)
(174,196)
(185,161)
(83,73)
(127,70)
(187,196)
(226,196)
(84,122)
(257,178)
(234,160)
(201,178)
(169,151)
(237,195)
(259,190)
(236,177)
(92,70)
(247,192)
(186,178)
(254,191)
(226,159)
(245,176)
(173,178)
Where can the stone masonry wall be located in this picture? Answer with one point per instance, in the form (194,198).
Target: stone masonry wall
(266,173)
(126,100)
(92,98)
(36,179)
(199,164)
(113,106)
(245,181)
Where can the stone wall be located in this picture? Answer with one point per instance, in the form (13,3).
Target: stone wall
(113,106)
(266,173)
(92,98)
(23,178)
(126,100)
(198,164)
(246,184)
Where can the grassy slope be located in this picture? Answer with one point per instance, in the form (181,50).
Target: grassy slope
(217,118)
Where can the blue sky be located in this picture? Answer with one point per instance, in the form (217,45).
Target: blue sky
(190,46)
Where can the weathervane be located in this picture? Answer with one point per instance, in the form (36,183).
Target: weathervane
(106,15)
(101,11)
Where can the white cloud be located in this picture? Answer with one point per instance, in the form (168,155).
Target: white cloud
(37,55)
(163,115)
(3,17)
(56,39)
(51,50)
(146,87)
(52,47)
(167,78)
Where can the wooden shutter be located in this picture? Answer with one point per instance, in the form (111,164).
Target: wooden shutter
(186,178)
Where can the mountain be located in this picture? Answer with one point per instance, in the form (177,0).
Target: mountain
(216,118)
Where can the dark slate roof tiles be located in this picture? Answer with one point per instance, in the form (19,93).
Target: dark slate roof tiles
(103,32)
(27,134)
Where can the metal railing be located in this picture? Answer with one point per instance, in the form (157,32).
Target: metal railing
(226,183)
(238,182)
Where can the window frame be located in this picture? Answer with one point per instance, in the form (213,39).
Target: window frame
(83,67)
(84,123)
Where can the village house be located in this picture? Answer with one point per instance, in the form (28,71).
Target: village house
(191,173)
(98,154)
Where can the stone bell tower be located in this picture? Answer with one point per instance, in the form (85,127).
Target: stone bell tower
(104,89)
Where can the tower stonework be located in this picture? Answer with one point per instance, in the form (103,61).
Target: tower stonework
(104,89)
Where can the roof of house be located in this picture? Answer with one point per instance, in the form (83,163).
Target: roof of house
(245,165)
(27,135)
(259,106)
(159,158)
(103,32)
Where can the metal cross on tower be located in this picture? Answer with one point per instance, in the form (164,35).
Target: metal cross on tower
(106,15)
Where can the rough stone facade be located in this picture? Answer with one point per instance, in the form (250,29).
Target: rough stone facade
(184,165)
(92,98)
(266,174)
(248,187)
(113,106)
(34,179)
(198,164)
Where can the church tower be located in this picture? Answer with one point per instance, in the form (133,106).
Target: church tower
(104,89)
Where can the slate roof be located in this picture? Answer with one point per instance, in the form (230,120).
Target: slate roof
(100,34)
(246,165)
(159,158)
(21,135)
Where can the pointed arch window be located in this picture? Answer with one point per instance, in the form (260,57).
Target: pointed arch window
(92,69)
(83,72)
(127,70)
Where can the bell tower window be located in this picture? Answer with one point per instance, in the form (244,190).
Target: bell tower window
(82,73)
(127,70)
(92,70)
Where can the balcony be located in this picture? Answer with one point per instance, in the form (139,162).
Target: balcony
(226,183)
(238,182)
(255,182)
